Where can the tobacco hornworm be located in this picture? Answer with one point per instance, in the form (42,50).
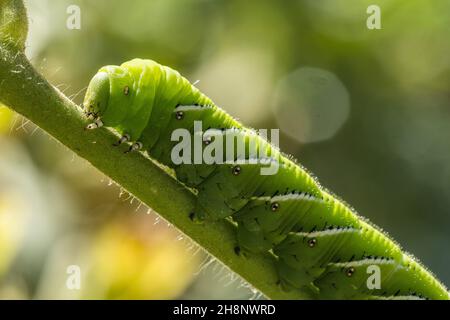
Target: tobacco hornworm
(321,245)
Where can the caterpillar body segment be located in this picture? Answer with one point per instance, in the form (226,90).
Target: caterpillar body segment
(270,219)
(320,244)
(404,279)
(232,185)
(305,252)
(348,280)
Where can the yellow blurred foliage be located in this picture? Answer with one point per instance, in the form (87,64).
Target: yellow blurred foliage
(6,117)
(127,265)
(11,228)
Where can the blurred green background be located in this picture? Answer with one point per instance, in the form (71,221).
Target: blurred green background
(367,111)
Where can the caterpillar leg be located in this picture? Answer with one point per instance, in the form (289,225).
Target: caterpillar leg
(123,139)
(193,175)
(90,115)
(135,147)
(97,124)
(294,279)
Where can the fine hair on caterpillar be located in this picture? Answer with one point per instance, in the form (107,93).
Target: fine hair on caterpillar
(321,246)
(219,146)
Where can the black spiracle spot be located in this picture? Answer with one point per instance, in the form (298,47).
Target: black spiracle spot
(236,170)
(350,271)
(312,242)
(275,206)
(179,115)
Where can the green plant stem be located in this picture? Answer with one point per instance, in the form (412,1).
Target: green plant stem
(24,90)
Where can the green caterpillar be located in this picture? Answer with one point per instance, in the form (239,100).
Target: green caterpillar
(321,245)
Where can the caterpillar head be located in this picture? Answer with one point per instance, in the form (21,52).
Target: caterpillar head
(109,97)
(97,95)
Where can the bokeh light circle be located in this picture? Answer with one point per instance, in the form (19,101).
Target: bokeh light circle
(311,104)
